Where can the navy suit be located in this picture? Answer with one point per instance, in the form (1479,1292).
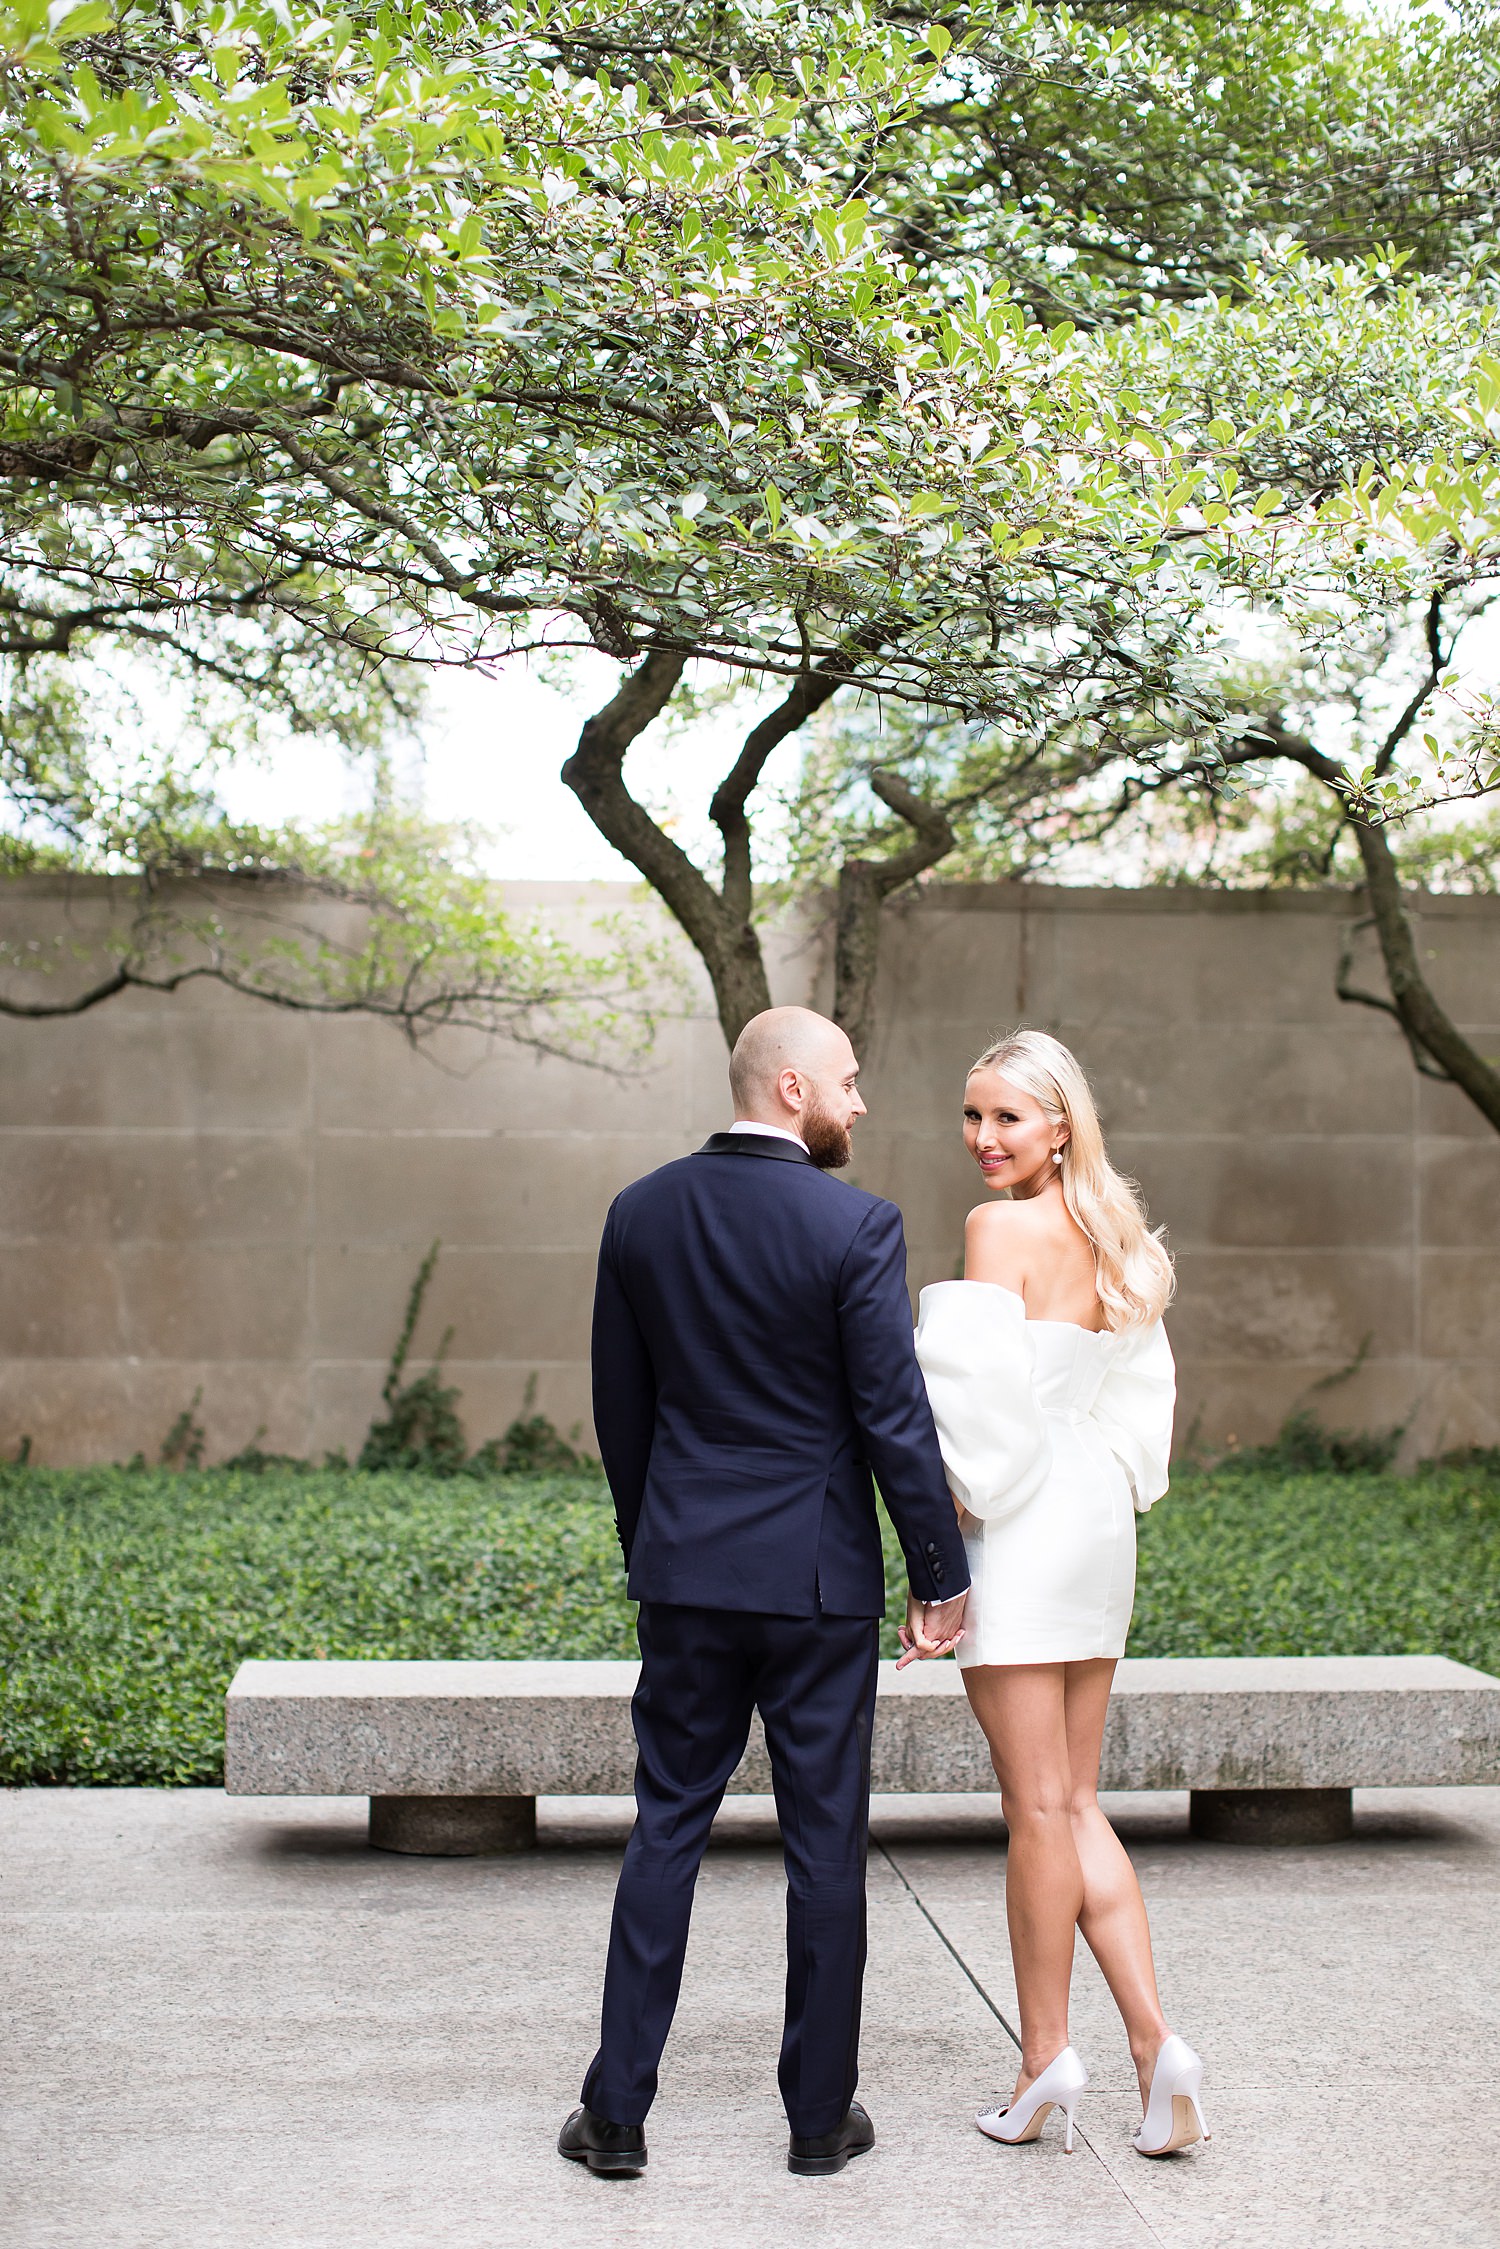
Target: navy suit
(754,1375)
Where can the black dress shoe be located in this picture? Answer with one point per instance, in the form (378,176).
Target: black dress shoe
(617,2151)
(816,2154)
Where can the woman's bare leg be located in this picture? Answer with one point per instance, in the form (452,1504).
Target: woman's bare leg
(1113,1913)
(1022,1709)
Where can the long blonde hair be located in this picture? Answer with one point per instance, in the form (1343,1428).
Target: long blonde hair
(1135,1277)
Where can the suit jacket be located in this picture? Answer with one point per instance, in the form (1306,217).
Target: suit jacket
(753,1365)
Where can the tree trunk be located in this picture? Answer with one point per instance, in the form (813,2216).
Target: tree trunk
(1413,1001)
(718,923)
(741,987)
(1427,1024)
(856,949)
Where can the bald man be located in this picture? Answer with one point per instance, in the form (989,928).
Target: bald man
(754,1375)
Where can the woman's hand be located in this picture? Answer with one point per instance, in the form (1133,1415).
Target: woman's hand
(932,1628)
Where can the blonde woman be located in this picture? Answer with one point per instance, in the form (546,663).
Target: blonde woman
(1052,1384)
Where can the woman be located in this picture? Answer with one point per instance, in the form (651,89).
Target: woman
(1052,1384)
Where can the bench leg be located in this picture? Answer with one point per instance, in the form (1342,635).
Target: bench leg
(1271,1815)
(452,1827)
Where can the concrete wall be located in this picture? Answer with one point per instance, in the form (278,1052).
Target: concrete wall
(203,1190)
(1315,1188)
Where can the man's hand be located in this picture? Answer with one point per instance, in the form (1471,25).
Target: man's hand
(932,1628)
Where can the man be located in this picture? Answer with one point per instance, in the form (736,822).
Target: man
(753,1366)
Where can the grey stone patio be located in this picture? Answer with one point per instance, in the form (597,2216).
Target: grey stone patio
(230,2025)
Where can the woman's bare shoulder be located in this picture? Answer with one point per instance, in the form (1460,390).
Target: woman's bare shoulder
(998,1240)
(1002,1221)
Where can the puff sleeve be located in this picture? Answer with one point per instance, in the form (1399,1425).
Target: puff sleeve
(1133,1406)
(976,1354)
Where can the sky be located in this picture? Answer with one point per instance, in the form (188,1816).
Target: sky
(491,755)
(492,750)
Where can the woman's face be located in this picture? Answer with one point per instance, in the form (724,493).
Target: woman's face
(1009,1134)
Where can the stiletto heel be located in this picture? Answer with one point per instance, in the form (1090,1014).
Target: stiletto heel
(1174,2116)
(1021,2120)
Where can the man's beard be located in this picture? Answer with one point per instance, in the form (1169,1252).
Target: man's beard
(828,1142)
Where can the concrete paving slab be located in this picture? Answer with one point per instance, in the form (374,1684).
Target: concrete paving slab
(229,2024)
(1323,1986)
(1353,1962)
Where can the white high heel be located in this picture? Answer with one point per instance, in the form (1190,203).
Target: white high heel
(1174,2114)
(1059,2086)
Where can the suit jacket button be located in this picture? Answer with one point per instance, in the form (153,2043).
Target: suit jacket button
(938,1573)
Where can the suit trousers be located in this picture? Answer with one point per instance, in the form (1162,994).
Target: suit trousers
(703,1672)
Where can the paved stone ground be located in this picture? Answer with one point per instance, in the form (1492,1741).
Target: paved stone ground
(228,2025)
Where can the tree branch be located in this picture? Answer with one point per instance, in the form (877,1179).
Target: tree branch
(1434,673)
(805,699)
(726,943)
(518,1016)
(1421,1016)
(120,980)
(1421,1059)
(1413,1002)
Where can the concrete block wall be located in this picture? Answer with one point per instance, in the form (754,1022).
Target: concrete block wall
(1316,1190)
(204,1191)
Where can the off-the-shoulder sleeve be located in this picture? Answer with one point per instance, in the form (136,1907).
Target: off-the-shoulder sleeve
(1133,1409)
(976,1354)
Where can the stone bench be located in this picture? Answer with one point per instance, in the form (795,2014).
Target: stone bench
(453,1756)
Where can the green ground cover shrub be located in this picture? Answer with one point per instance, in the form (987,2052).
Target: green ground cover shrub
(1238,1562)
(128,1597)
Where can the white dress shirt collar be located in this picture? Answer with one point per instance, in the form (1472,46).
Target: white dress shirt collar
(773,1132)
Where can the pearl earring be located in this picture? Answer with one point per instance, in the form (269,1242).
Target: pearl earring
(1057,1155)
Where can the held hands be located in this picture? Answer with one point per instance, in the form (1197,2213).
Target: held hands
(932,1628)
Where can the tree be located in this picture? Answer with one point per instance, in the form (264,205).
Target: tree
(1154,180)
(450,339)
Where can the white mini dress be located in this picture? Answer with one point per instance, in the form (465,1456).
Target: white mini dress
(1054,1439)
